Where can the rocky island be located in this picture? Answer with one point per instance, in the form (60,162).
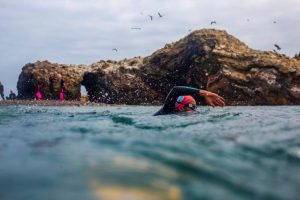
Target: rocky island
(209,59)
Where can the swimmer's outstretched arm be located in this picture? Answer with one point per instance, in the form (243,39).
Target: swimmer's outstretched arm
(212,99)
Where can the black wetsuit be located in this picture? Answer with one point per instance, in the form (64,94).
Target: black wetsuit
(12,96)
(51,87)
(62,85)
(169,106)
(38,82)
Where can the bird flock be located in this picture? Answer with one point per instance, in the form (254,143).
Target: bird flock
(278,48)
(151,17)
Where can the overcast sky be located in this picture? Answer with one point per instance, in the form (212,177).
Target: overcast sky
(86,31)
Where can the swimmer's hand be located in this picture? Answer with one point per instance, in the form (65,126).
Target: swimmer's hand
(212,99)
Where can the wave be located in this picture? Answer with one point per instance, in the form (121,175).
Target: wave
(84,130)
(47,143)
(122,120)
(195,170)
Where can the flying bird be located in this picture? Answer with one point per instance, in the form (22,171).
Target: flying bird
(151,17)
(136,28)
(160,15)
(274,22)
(277,47)
(114,49)
(213,22)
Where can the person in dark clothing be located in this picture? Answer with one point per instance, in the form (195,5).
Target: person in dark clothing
(12,96)
(62,90)
(62,84)
(2,91)
(181,99)
(51,85)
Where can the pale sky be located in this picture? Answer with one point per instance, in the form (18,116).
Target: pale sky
(86,31)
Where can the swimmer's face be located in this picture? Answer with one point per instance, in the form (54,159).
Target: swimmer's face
(185,104)
(188,108)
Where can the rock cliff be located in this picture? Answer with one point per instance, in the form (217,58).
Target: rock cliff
(216,61)
(208,59)
(120,82)
(42,71)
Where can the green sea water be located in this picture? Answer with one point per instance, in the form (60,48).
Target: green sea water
(124,152)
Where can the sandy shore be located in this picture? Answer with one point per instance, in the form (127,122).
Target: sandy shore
(48,103)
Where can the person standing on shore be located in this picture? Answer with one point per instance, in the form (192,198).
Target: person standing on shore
(62,89)
(51,85)
(2,91)
(12,96)
(38,94)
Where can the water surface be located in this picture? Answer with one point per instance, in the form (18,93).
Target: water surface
(126,153)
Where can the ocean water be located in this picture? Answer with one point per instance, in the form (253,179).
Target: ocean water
(125,153)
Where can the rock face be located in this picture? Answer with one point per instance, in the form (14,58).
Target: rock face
(119,82)
(41,71)
(208,59)
(216,61)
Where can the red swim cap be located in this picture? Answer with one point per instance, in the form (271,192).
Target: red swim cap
(185,101)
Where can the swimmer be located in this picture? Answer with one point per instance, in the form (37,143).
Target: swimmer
(181,99)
